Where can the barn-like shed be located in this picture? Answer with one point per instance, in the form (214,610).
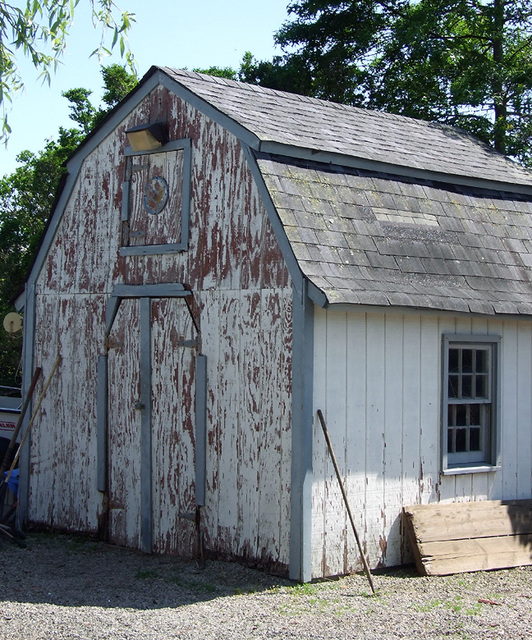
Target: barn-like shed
(248,258)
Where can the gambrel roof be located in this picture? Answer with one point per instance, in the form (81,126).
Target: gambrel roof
(379,209)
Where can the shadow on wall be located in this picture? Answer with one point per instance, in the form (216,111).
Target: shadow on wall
(520,516)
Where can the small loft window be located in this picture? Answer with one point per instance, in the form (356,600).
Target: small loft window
(156,199)
(469,408)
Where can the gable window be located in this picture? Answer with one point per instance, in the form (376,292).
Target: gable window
(156,199)
(469,407)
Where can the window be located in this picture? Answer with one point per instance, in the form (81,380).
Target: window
(469,408)
(156,200)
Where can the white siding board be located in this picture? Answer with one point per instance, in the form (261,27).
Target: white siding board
(319,463)
(248,408)
(524,411)
(375,373)
(356,435)
(229,413)
(335,416)
(429,400)
(394,401)
(509,410)
(63,437)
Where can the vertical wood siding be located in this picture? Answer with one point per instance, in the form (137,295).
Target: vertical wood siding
(124,426)
(239,311)
(377,380)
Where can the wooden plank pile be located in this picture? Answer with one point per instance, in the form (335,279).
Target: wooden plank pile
(469,536)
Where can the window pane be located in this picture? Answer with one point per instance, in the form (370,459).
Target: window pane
(467,360)
(481,384)
(461,440)
(474,414)
(467,386)
(482,361)
(450,446)
(454,359)
(453,386)
(474,439)
(461,415)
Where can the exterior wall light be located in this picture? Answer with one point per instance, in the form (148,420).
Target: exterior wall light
(146,137)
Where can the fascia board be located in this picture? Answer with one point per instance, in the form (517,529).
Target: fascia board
(408,311)
(291,261)
(244,135)
(354,162)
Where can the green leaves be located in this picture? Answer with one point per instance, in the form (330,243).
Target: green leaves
(27,196)
(39,31)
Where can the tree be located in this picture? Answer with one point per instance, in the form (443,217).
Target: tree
(27,196)
(39,30)
(462,62)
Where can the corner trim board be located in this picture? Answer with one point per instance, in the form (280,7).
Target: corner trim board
(302,439)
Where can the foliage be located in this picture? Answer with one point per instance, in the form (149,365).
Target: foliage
(219,72)
(39,31)
(462,62)
(27,196)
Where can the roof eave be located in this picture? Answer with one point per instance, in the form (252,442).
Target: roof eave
(354,162)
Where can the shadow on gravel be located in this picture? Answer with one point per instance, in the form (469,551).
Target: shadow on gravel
(71,571)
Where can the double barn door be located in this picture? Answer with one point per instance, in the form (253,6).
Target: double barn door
(151,423)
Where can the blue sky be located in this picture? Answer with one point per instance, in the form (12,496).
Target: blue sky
(167,32)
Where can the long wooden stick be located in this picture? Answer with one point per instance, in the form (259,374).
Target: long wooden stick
(344,494)
(13,441)
(30,423)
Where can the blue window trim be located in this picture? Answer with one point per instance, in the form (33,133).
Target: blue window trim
(156,249)
(492,463)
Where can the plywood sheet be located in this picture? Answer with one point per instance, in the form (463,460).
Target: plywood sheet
(470,536)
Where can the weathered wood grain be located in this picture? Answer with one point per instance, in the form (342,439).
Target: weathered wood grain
(470,536)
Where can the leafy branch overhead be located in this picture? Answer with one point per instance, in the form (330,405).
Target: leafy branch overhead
(39,31)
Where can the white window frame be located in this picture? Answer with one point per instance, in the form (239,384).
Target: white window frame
(484,406)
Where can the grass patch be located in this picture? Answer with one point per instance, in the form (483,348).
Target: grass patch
(146,574)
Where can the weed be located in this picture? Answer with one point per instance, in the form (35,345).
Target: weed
(145,574)
(194,585)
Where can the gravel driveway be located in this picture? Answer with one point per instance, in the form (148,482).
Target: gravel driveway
(64,587)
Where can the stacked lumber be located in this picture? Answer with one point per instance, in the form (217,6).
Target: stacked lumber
(469,536)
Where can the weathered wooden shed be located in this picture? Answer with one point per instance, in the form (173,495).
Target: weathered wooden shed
(270,255)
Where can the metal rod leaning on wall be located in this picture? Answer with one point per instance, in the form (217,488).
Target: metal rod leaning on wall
(13,441)
(30,423)
(344,494)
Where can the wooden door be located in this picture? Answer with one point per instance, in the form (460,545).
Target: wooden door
(151,426)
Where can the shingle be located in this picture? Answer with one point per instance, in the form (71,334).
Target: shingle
(464,264)
(324,126)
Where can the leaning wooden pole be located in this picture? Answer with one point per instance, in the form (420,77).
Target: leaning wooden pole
(344,494)
(13,441)
(30,423)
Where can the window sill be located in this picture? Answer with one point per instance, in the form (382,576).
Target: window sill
(479,468)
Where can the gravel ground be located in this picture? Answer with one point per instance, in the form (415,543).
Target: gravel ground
(63,587)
